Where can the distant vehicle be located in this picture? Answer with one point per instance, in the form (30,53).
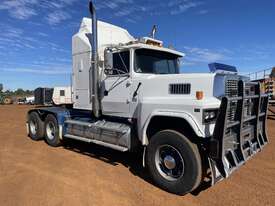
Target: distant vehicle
(129,94)
(30,100)
(7,100)
(62,96)
(21,101)
(43,96)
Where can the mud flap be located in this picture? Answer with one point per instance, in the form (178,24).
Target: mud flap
(240,130)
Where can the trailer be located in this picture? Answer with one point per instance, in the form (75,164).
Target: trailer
(43,96)
(62,96)
(129,93)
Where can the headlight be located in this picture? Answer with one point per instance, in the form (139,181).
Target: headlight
(209,116)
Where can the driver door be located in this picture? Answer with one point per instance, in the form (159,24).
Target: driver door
(117,85)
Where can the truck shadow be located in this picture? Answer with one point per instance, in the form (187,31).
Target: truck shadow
(271,114)
(131,160)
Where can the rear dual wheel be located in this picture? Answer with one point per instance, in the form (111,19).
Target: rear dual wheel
(35,126)
(48,129)
(52,131)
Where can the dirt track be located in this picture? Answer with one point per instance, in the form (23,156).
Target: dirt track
(32,173)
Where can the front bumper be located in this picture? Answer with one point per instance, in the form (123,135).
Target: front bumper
(240,131)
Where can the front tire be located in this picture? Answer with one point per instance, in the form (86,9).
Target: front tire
(52,131)
(174,162)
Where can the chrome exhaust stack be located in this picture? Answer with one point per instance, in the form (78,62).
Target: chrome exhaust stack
(94,84)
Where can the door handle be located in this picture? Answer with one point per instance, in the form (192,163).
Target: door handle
(136,92)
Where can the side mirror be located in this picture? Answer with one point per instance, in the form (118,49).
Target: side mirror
(108,61)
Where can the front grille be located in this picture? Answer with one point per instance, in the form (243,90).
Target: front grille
(231,90)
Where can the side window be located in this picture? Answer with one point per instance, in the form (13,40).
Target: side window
(121,63)
(62,93)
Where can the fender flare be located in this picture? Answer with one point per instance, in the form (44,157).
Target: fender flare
(178,114)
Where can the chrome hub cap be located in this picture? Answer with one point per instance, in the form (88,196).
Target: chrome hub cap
(169,162)
(33,127)
(50,129)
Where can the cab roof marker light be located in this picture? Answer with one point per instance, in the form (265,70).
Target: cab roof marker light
(199,95)
(151,41)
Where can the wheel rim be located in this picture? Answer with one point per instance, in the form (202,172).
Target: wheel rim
(50,129)
(33,127)
(169,162)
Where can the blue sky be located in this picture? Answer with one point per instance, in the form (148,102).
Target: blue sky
(35,37)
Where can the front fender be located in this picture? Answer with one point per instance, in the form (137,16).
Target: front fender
(165,113)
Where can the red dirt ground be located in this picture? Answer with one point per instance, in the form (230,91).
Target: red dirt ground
(32,173)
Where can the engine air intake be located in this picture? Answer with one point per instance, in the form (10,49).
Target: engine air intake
(179,88)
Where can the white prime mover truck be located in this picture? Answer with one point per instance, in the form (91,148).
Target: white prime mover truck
(62,96)
(128,93)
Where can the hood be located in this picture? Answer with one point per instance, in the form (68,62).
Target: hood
(176,85)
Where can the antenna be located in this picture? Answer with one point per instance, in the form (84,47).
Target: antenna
(153,32)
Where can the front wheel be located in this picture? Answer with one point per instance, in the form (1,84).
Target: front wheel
(174,162)
(52,131)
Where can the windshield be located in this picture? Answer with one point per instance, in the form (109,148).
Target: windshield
(156,62)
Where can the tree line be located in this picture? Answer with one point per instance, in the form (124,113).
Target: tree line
(17,92)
